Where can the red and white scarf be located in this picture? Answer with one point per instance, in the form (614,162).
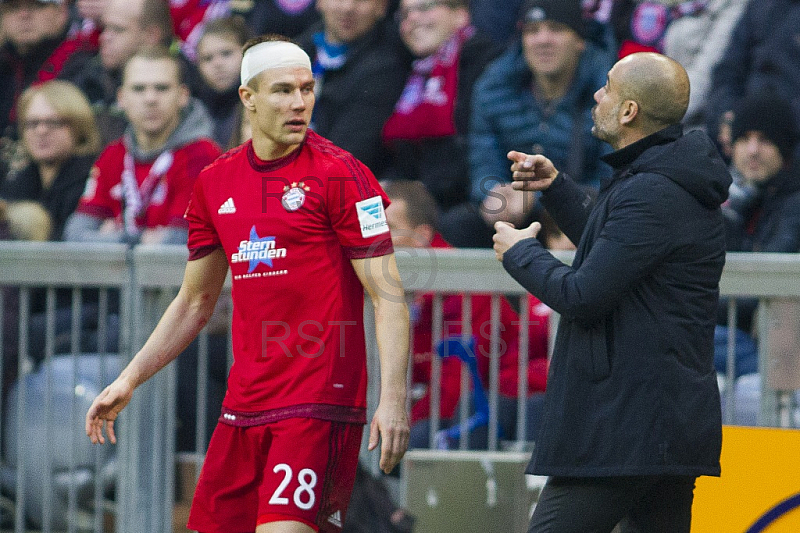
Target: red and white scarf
(427,106)
(138,197)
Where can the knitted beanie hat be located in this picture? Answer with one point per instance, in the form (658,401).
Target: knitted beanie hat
(567,12)
(769,114)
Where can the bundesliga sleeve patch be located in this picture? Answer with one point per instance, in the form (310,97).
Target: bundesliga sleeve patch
(371,217)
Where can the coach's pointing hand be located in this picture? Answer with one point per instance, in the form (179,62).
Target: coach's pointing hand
(531,172)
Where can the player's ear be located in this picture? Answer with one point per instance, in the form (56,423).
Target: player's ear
(246,95)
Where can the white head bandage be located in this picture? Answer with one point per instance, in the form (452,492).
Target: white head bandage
(272,54)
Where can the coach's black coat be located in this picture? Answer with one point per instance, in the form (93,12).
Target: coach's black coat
(632,388)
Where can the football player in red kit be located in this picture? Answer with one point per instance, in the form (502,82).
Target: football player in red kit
(301,225)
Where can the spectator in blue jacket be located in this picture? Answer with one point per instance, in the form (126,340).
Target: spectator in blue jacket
(537,98)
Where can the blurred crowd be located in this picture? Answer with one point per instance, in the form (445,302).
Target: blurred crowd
(110,108)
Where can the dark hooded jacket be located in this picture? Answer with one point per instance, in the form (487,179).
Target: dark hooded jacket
(763,218)
(632,388)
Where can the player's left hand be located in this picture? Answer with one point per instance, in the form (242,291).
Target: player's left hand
(390,423)
(507,236)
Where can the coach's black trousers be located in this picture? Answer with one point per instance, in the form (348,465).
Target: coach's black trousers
(646,504)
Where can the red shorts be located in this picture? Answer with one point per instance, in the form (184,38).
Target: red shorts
(300,469)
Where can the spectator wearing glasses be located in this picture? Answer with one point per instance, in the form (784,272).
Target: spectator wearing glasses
(427,133)
(61,141)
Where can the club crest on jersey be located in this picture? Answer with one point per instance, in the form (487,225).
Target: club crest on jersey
(294,196)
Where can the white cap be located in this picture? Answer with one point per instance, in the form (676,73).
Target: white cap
(272,54)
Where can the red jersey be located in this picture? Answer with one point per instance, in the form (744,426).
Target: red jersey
(163,191)
(290,228)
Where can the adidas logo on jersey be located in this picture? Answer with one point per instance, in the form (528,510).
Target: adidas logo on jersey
(227,208)
(336,519)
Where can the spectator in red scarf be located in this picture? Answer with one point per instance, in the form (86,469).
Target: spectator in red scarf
(36,50)
(427,132)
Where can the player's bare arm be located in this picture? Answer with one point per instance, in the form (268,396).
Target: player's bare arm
(381,279)
(180,324)
(531,172)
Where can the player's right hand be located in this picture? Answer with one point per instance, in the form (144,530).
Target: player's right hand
(531,172)
(105,409)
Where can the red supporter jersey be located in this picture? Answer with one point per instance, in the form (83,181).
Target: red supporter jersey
(290,228)
(103,195)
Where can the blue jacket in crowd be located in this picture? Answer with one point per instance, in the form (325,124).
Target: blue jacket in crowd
(632,388)
(506,116)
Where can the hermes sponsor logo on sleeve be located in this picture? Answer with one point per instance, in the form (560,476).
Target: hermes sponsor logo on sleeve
(372,217)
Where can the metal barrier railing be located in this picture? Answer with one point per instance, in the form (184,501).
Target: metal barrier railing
(48,479)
